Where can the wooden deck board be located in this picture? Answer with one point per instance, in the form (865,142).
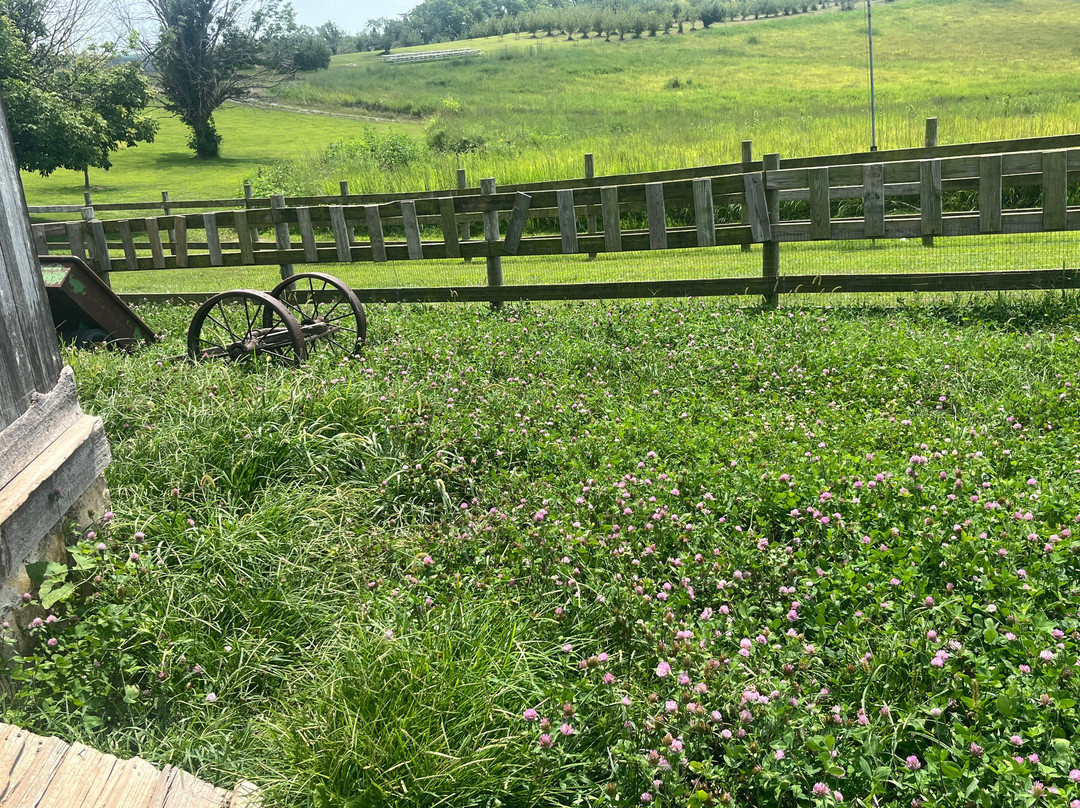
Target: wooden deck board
(38,772)
(80,779)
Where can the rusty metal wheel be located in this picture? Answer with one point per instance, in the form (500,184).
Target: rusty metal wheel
(327,310)
(244,324)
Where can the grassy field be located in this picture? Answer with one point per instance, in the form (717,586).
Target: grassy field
(797,86)
(252,138)
(683,554)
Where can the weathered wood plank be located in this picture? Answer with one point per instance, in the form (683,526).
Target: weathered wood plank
(1055,191)
(930,196)
(132,783)
(820,212)
(515,228)
(153,236)
(102,264)
(41,244)
(75,240)
(704,213)
(590,218)
(46,418)
(281,232)
(491,236)
(609,211)
(80,778)
(30,780)
(342,234)
(130,256)
(873,200)
(375,233)
(754,185)
(307,234)
(567,221)
(654,208)
(770,248)
(449,227)
(180,246)
(412,229)
(990,194)
(244,235)
(213,241)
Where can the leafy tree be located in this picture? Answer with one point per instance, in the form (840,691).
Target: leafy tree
(66,108)
(208,52)
(335,37)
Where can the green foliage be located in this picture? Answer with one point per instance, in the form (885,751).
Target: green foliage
(398,573)
(66,110)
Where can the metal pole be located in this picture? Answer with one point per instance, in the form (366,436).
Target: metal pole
(873,113)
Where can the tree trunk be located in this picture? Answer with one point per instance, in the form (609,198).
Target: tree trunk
(205,140)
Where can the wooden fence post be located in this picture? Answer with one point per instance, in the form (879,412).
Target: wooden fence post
(466,230)
(747,159)
(590,219)
(931,142)
(770,250)
(281,233)
(248,195)
(491,236)
(166,209)
(99,247)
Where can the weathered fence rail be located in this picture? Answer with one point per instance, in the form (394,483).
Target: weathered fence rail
(461,187)
(827,200)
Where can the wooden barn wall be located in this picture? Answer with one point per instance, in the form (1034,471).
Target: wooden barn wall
(29,358)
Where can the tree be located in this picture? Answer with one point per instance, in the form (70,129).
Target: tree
(66,108)
(208,52)
(334,36)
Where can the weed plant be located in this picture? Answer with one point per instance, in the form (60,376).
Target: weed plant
(677,553)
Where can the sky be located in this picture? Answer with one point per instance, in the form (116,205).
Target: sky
(348,14)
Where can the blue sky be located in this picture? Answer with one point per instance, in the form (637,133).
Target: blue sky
(348,14)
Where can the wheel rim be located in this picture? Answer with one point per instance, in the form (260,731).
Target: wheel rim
(244,325)
(327,309)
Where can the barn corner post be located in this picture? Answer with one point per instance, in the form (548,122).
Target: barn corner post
(52,455)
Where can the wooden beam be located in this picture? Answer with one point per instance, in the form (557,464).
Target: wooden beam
(515,228)
(930,196)
(873,200)
(609,209)
(990,194)
(704,213)
(567,221)
(654,207)
(820,211)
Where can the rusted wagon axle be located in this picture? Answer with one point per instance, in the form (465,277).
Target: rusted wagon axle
(289,322)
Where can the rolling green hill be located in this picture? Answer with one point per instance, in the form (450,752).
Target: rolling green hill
(529,108)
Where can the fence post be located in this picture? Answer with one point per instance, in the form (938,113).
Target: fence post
(248,195)
(770,250)
(747,158)
(281,233)
(590,219)
(99,247)
(491,236)
(166,209)
(466,230)
(931,142)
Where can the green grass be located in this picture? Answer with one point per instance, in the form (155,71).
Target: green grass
(374,564)
(252,138)
(796,86)
(967,253)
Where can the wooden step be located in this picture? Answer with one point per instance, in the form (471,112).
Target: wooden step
(37,772)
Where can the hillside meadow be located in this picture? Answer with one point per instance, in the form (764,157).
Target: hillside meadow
(529,109)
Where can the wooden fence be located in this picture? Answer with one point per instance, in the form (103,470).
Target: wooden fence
(629,216)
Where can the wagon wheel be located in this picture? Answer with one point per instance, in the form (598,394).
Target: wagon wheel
(326,308)
(242,324)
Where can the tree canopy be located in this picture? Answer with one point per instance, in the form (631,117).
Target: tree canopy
(208,52)
(66,108)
